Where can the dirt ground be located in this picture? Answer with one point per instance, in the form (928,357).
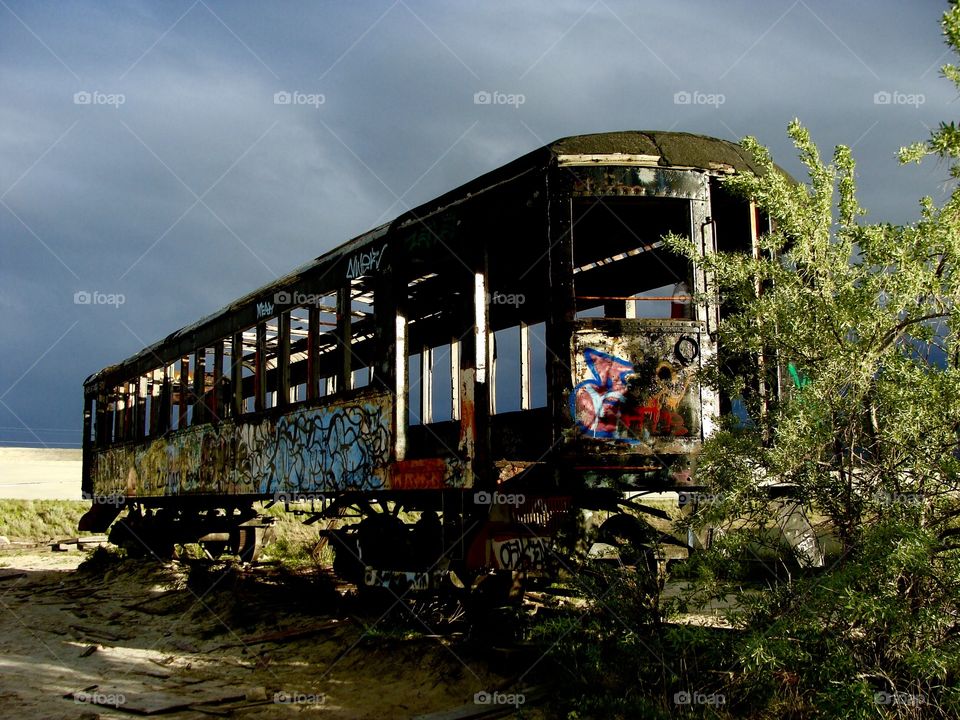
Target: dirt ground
(201,640)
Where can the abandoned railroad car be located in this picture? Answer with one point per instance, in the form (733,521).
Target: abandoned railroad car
(518,348)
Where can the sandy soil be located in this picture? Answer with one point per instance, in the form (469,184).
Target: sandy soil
(40,473)
(153,633)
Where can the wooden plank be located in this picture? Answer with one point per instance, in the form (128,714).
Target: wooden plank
(284,635)
(156,702)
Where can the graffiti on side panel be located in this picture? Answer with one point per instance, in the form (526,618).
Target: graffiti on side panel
(520,553)
(334,447)
(628,403)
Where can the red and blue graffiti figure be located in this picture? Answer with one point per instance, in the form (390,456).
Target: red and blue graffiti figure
(596,403)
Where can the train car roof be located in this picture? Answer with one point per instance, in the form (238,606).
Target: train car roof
(651,147)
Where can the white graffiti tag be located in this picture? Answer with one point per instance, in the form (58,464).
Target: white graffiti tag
(365,261)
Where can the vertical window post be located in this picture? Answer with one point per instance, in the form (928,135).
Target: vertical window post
(184,391)
(344,334)
(283,359)
(236,374)
(260,371)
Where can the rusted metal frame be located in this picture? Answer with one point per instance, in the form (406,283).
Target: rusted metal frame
(283,360)
(199,383)
(143,399)
(526,359)
(260,369)
(481,389)
(91,431)
(702,228)
(129,399)
(401,384)
(184,399)
(129,410)
(156,388)
(455,378)
(114,415)
(562,305)
(236,374)
(491,365)
(165,408)
(101,427)
(88,414)
(216,396)
(344,336)
(313,344)
(426,384)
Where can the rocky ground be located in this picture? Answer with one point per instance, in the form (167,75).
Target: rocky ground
(203,639)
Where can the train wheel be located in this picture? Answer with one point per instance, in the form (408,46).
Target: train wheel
(346,556)
(249,541)
(143,536)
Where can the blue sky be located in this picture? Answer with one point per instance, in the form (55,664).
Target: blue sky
(142,152)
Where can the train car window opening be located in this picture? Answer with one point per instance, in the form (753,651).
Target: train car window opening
(247,369)
(172,382)
(441,384)
(360,378)
(505,370)
(268,341)
(362,332)
(299,338)
(326,346)
(618,255)
(534,356)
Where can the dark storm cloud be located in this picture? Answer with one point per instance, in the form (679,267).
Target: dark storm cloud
(181,184)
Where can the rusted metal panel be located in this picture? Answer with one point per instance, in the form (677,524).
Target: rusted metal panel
(635,387)
(425,474)
(342,445)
